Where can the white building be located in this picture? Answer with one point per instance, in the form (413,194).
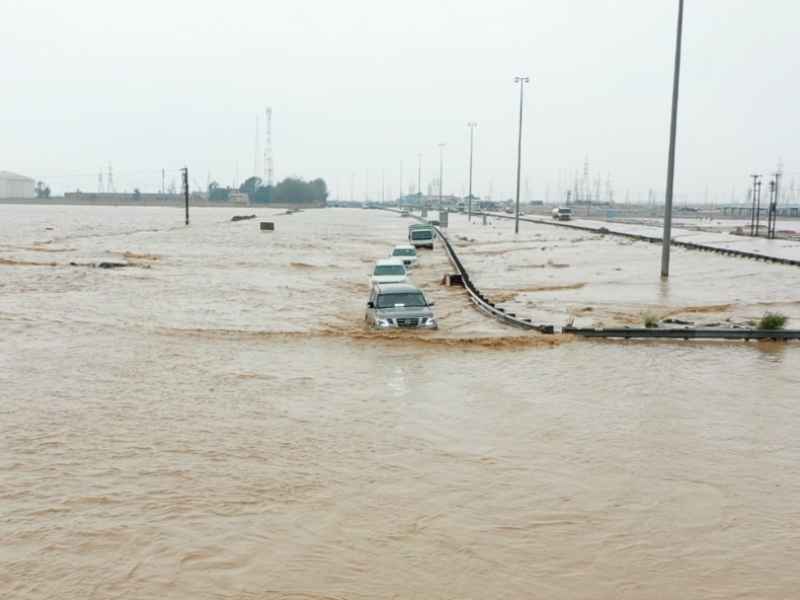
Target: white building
(16,186)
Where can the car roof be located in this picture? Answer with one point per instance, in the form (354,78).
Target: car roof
(406,247)
(396,288)
(390,261)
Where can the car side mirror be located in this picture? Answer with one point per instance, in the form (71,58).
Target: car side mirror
(430,301)
(370,304)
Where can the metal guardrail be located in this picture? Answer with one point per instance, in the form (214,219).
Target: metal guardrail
(481,301)
(658,240)
(685,334)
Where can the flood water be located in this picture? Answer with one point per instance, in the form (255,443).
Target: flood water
(214,420)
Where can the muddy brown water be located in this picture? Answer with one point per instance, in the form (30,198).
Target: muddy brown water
(215,421)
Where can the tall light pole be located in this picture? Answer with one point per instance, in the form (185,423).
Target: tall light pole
(441,172)
(401,182)
(419,177)
(671,160)
(522,81)
(469,200)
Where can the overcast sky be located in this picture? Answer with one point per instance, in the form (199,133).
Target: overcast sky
(358,86)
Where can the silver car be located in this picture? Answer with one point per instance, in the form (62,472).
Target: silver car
(399,305)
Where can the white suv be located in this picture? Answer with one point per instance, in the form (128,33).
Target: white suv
(408,254)
(390,270)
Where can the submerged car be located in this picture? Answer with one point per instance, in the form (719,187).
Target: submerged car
(390,270)
(399,305)
(408,254)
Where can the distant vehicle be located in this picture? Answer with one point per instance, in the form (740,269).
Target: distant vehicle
(408,254)
(521,214)
(421,235)
(405,213)
(399,305)
(510,210)
(562,213)
(461,206)
(390,270)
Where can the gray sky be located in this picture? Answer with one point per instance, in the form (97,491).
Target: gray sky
(357,86)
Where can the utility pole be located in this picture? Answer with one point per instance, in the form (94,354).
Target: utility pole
(772,215)
(185,178)
(469,200)
(522,81)
(441,172)
(419,178)
(671,161)
(401,182)
(753,214)
(383,184)
(758,206)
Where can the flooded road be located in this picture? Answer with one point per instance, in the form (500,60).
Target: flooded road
(215,421)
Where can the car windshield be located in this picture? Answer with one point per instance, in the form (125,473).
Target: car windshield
(404,252)
(389,270)
(424,234)
(409,299)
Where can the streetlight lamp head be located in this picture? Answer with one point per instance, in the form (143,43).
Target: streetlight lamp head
(523,79)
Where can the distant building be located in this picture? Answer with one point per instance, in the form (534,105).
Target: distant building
(235,197)
(16,186)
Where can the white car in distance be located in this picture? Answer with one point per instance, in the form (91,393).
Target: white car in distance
(389,270)
(408,254)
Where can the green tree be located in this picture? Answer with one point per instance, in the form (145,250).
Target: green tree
(218,194)
(264,194)
(137,195)
(42,191)
(290,191)
(294,190)
(250,186)
(319,190)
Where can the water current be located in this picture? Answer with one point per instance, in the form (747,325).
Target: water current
(215,421)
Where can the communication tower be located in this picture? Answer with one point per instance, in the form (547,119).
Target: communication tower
(268,170)
(110,189)
(586,187)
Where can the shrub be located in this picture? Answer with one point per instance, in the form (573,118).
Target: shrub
(772,321)
(651,320)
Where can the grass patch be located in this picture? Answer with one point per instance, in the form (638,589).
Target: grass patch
(651,320)
(772,320)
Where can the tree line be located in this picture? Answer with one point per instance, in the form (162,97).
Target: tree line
(291,190)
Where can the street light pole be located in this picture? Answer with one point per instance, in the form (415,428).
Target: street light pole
(469,200)
(441,172)
(419,178)
(671,161)
(401,182)
(522,81)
